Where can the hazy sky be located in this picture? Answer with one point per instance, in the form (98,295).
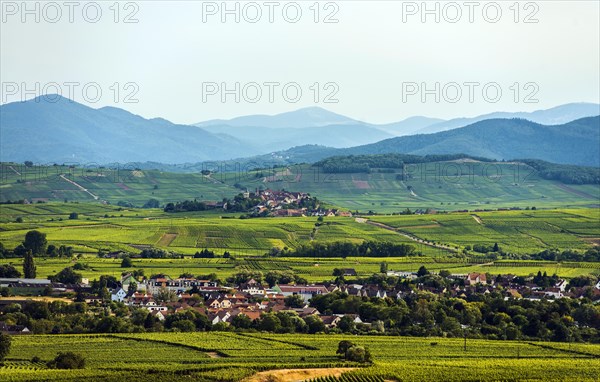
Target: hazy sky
(370,58)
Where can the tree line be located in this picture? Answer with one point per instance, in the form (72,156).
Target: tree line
(347,249)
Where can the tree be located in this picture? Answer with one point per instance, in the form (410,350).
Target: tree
(165,295)
(5,341)
(445,273)
(9,271)
(422,271)
(358,354)
(132,287)
(29,269)
(36,242)
(73,216)
(383,267)
(151,203)
(67,360)
(343,347)
(126,262)
(496,248)
(184,325)
(269,322)
(67,276)
(315,324)
(346,324)
(294,301)
(241,321)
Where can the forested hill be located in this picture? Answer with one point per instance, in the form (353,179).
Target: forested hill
(568,174)
(576,142)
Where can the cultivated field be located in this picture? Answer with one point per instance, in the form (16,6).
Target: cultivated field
(226,356)
(113,228)
(441,185)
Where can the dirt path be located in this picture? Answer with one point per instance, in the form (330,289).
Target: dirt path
(411,237)
(78,186)
(576,192)
(477,219)
(293,375)
(214,354)
(16,172)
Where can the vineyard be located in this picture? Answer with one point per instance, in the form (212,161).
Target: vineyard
(470,188)
(227,356)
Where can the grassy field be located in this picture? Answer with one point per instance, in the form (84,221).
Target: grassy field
(220,356)
(514,231)
(113,228)
(441,185)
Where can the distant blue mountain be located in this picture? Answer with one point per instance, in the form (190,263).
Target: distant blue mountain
(66,131)
(306,117)
(555,116)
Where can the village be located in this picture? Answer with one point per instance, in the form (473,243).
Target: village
(162,296)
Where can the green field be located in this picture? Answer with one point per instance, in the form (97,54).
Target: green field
(223,356)
(514,231)
(113,228)
(440,185)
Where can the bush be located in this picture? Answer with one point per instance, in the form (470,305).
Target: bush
(67,360)
(126,263)
(73,215)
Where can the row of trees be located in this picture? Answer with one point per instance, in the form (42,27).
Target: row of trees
(347,249)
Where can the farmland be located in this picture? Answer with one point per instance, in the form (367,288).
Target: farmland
(446,186)
(115,228)
(227,356)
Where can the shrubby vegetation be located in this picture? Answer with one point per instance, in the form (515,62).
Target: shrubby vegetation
(67,360)
(348,249)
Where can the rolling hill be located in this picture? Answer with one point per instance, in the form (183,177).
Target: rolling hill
(66,131)
(554,116)
(305,117)
(575,143)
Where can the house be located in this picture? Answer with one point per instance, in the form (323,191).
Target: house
(562,285)
(178,285)
(14,329)
(404,275)
(128,279)
(330,321)
(349,272)
(21,286)
(215,318)
(476,278)
(306,291)
(252,288)
(118,295)
(553,293)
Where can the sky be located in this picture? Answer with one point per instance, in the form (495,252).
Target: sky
(376,61)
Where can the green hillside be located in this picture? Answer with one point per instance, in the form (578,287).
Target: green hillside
(448,185)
